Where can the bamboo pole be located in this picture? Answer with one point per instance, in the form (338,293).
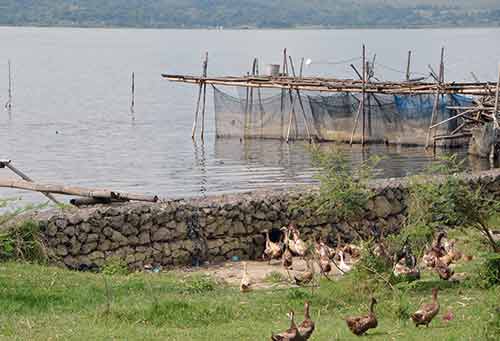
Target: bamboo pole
(451,118)
(132,104)
(282,98)
(435,107)
(308,131)
(78,191)
(497,99)
(408,66)
(8,105)
(23,176)
(363,94)
(301,67)
(205,68)
(203,111)
(247,123)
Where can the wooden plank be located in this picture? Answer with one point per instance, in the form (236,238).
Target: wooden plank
(77,191)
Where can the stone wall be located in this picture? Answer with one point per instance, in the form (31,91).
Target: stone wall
(212,229)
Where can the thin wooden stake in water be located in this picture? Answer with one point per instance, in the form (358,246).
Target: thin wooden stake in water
(497,99)
(205,67)
(365,70)
(408,66)
(204,74)
(436,100)
(8,105)
(132,104)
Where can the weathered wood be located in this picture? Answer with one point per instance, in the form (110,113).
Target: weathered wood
(408,66)
(205,73)
(132,104)
(363,94)
(8,164)
(8,105)
(497,99)
(435,107)
(78,191)
(451,119)
(339,86)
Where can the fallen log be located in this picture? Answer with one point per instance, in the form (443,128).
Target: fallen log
(77,191)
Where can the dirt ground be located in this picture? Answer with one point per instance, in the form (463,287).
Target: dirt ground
(263,274)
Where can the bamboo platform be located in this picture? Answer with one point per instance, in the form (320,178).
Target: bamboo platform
(341,85)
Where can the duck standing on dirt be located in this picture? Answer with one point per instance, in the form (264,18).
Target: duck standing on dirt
(299,245)
(426,312)
(273,250)
(304,277)
(359,325)
(306,328)
(246,281)
(291,334)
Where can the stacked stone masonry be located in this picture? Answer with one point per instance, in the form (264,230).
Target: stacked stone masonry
(186,232)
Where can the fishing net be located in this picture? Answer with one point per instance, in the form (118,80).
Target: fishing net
(278,114)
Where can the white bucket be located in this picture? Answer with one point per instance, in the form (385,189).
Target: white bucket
(273,70)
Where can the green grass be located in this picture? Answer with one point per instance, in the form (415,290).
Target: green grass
(47,303)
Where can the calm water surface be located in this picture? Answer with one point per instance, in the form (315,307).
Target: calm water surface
(71,122)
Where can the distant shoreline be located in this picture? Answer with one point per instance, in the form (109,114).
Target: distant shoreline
(297,28)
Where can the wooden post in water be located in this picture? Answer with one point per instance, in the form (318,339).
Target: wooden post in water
(284,72)
(8,105)
(205,67)
(363,94)
(497,100)
(408,66)
(435,107)
(132,104)
(299,97)
(195,122)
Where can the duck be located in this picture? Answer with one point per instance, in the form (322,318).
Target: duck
(426,312)
(291,334)
(246,281)
(401,269)
(306,327)
(436,251)
(342,265)
(273,250)
(443,270)
(359,325)
(304,277)
(299,244)
(352,250)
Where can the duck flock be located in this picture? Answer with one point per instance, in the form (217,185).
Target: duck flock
(439,257)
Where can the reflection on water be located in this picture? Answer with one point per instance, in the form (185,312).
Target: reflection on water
(72,122)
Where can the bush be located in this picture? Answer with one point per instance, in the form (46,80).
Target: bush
(343,191)
(115,266)
(22,242)
(488,274)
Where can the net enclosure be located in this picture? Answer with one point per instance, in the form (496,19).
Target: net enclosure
(288,114)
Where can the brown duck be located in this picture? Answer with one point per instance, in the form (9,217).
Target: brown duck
(306,328)
(426,312)
(291,334)
(304,277)
(359,325)
(444,271)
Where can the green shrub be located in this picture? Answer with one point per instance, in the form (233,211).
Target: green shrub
(199,285)
(22,242)
(492,328)
(488,274)
(115,266)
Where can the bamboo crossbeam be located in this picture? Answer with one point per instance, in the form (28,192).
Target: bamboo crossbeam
(339,85)
(78,191)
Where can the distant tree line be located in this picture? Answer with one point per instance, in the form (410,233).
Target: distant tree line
(250,13)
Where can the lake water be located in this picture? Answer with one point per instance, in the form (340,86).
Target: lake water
(71,123)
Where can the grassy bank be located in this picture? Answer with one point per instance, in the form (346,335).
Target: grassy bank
(46,303)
